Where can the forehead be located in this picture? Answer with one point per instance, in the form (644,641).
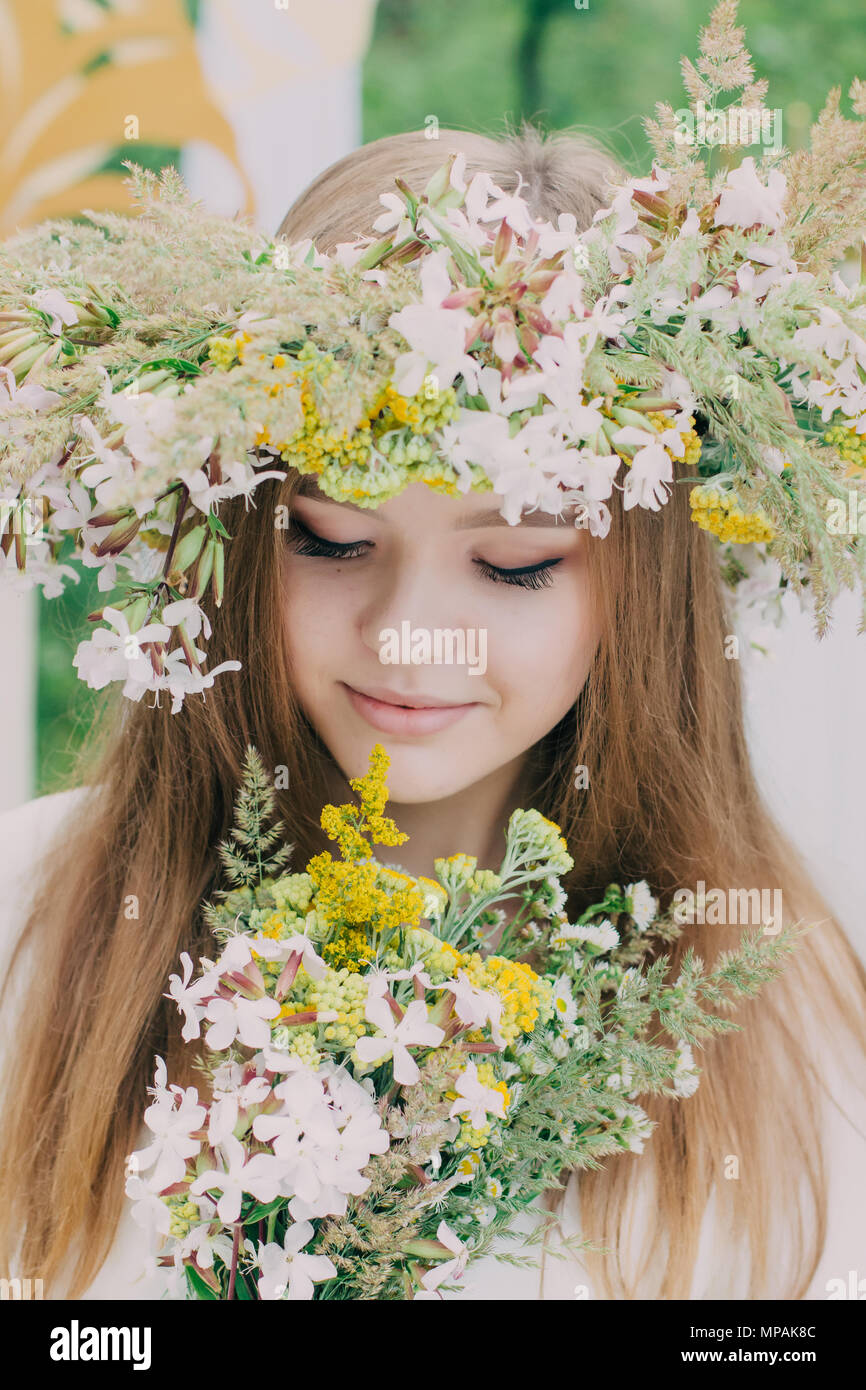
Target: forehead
(462,512)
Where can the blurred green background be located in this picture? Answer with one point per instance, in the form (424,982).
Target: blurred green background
(471,62)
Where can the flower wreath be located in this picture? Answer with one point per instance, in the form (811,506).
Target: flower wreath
(153,366)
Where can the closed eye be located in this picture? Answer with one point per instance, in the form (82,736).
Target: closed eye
(528,576)
(306,542)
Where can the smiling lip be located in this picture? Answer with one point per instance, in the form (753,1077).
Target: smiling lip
(422,714)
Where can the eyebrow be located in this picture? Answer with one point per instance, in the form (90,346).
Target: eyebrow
(307,487)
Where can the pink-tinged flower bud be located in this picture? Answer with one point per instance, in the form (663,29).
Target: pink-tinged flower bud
(502,244)
(653,202)
(530,340)
(218,584)
(156,653)
(374,253)
(393,1005)
(540,281)
(468,295)
(438,185)
(118,537)
(21,364)
(111,518)
(187,644)
(536,318)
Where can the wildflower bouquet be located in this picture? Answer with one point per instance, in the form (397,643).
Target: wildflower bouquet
(157,365)
(388,1090)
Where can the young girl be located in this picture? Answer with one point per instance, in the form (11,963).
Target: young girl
(602,655)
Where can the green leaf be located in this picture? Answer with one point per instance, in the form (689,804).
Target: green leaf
(216,526)
(178,365)
(198,1285)
(263,1209)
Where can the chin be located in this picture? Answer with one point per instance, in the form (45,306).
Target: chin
(424,771)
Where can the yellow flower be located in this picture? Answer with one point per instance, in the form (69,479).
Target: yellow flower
(850,446)
(720,511)
(525,996)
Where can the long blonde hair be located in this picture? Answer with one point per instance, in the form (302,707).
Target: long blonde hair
(671,798)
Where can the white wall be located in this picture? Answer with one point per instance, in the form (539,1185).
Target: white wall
(807,732)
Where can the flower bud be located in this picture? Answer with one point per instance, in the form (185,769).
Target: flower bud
(188,548)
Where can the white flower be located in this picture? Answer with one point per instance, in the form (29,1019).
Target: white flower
(686,1076)
(171,1118)
(642,904)
(415,972)
(774,458)
(564,1004)
(474,1006)
(436,336)
(413,1029)
(188,997)
(287,1267)
(227,1103)
(477,1100)
(745,200)
(509,207)
(30,395)
(110,656)
(451,1269)
(646,483)
(323,1140)
(832,336)
(147,1209)
(604,935)
(188,612)
(261,1176)
(179,680)
(241,1018)
(285,947)
(62,312)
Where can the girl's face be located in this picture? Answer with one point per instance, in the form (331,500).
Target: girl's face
(431,626)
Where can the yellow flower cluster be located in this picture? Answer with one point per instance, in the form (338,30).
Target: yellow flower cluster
(351,949)
(341,458)
(720,511)
(461,870)
(346,993)
(183,1213)
(299,1041)
(342,991)
(351,894)
(293,891)
(440,959)
(526,997)
(850,445)
(346,823)
(226,353)
(691,439)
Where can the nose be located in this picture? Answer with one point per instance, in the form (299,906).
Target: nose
(414,589)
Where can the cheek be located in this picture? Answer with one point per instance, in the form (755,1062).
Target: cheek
(540,654)
(315,625)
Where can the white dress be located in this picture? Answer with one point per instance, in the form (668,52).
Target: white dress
(26,831)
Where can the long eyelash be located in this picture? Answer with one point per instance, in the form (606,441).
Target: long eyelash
(530,577)
(306,542)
